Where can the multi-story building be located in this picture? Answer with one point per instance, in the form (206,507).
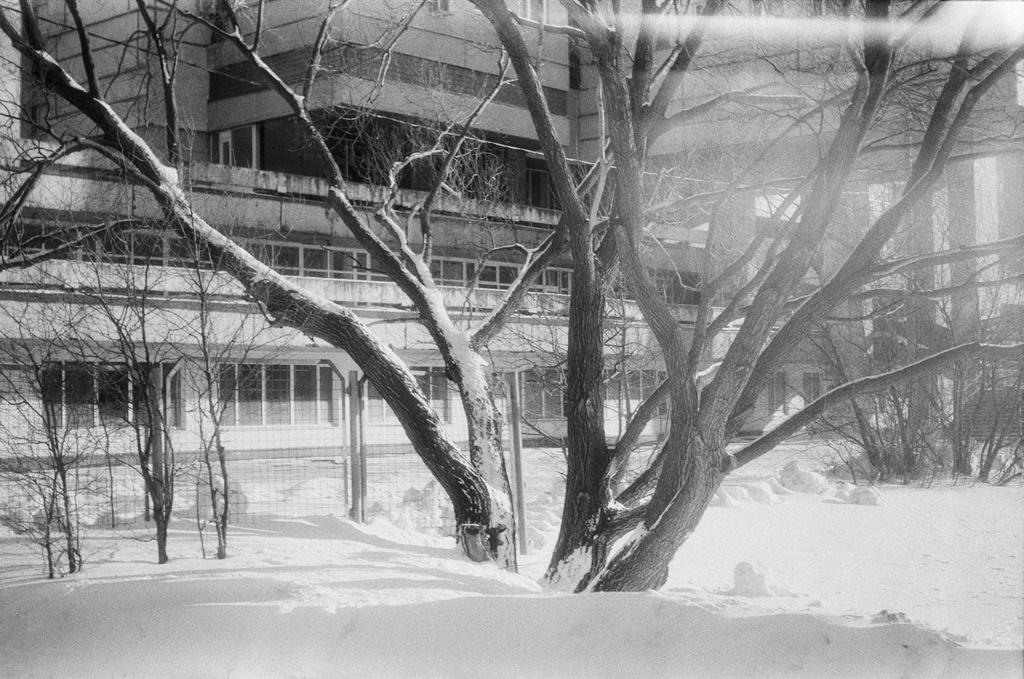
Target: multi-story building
(250,173)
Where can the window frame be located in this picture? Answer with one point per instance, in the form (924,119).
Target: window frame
(270,410)
(226,138)
(812,383)
(528,9)
(92,405)
(433,382)
(778,394)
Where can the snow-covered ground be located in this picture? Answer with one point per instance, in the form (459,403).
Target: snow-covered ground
(927,583)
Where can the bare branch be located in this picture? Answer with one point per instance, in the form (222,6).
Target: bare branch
(960,254)
(166,81)
(318,49)
(83,40)
(868,385)
(641,418)
(537,260)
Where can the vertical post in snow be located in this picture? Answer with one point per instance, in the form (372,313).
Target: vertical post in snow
(355,442)
(515,420)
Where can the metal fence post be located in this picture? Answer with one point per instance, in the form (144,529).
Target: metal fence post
(515,420)
(357,452)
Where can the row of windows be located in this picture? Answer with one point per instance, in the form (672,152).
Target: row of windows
(544,391)
(77,396)
(143,248)
(254,394)
(295,259)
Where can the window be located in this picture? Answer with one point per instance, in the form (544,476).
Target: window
(433,383)
(677,287)
(377,409)
(534,10)
(354,265)
(439,6)
(556,281)
(778,400)
(328,407)
(278,394)
(812,386)
(79,396)
(113,395)
(539,192)
(286,259)
(129,247)
(226,387)
(448,271)
(253,394)
(575,66)
(238,147)
(315,262)
(79,389)
(543,395)
(173,404)
(640,384)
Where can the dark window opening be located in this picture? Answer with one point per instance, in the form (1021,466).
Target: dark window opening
(238,147)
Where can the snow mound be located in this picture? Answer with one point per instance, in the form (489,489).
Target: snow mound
(762,493)
(756,492)
(796,477)
(752,580)
(166,628)
(864,495)
(777,487)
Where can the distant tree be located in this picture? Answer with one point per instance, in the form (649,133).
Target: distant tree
(41,472)
(210,344)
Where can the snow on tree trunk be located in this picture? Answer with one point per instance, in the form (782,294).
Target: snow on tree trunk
(468,370)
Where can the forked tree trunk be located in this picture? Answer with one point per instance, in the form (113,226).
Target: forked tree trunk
(498,537)
(583,538)
(643,563)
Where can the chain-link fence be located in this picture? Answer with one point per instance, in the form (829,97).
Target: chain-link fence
(271,485)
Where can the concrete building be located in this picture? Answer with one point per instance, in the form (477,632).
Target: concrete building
(251,175)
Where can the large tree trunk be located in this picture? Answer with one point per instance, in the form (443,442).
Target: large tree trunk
(689,479)
(485,450)
(581,549)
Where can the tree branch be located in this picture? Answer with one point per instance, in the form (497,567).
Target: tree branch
(868,385)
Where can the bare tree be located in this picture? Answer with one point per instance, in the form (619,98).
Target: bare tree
(642,61)
(477,483)
(41,472)
(219,330)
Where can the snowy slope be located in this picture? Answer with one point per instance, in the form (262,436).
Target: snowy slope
(324,597)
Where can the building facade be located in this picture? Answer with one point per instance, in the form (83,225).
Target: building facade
(145,298)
